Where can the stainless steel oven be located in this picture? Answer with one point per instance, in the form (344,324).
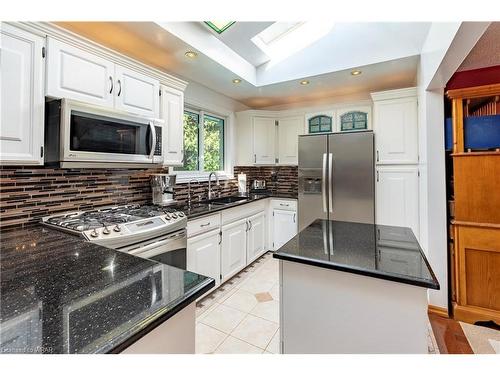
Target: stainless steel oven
(82,135)
(168,249)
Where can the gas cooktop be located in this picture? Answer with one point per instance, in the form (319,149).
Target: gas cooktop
(110,223)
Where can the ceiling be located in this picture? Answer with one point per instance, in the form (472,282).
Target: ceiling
(386,62)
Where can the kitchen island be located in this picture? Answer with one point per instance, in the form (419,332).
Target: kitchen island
(353,288)
(61,294)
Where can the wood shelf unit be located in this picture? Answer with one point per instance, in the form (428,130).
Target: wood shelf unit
(475,225)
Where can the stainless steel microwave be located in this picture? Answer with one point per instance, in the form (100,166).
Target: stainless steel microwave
(79,135)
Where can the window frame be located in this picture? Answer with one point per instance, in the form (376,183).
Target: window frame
(226,173)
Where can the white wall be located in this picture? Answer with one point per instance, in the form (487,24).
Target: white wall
(446,46)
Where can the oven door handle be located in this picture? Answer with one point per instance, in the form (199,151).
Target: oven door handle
(153,141)
(154,245)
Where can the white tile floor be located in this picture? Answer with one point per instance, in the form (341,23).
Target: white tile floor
(242,316)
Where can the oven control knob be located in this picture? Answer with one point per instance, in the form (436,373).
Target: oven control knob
(168,217)
(180,214)
(117,228)
(105,230)
(94,233)
(174,215)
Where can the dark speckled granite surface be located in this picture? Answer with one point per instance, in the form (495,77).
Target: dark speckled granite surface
(60,294)
(385,252)
(198,209)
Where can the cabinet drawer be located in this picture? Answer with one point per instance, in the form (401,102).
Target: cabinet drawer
(286,205)
(244,211)
(203,225)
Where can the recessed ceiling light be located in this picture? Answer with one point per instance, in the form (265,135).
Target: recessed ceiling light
(236,80)
(356,72)
(304,82)
(191,54)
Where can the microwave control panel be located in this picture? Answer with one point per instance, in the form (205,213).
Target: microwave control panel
(158,141)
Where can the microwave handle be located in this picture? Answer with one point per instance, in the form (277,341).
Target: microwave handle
(153,143)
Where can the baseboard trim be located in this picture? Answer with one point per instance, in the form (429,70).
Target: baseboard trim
(440,311)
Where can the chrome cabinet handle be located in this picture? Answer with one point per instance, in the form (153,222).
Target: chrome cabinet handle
(377,156)
(246,230)
(205,225)
(251,224)
(220,238)
(323,183)
(377,176)
(120,88)
(331,190)
(294,217)
(111,80)
(284,205)
(255,158)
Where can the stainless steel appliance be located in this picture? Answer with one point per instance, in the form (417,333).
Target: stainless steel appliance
(259,184)
(336,177)
(79,135)
(162,188)
(151,232)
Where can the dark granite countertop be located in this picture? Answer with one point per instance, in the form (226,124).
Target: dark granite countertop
(60,294)
(199,209)
(384,252)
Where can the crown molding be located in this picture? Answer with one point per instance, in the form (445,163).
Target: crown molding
(394,94)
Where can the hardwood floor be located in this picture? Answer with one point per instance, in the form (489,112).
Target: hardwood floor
(449,335)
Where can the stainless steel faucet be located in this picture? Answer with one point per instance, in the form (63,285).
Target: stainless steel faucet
(210,183)
(189,190)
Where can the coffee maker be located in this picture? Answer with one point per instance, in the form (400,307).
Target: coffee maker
(162,187)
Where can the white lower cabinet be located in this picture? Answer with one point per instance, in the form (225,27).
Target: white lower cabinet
(256,237)
(22,97)
(284,227)
(396,192)
(234,248)
(203,254)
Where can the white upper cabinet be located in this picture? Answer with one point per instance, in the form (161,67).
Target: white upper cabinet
(80,75)
(76,74)
(395,126)
(396,192)
(136,92)
(289,129)
(264,140)
(172,112)
(256,245)
(22,97)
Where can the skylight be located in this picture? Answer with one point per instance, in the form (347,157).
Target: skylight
(283,39)
(219,26)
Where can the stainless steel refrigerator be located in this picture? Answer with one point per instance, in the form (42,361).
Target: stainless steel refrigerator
(336,177)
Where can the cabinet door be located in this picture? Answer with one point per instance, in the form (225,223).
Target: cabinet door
(264,138)
(22,98)
(136,93)
(396,131)
(76,74)
(288,139)
(256,245)
(397,197)
(172,104)
(203,254)
(234,248)
(284,227)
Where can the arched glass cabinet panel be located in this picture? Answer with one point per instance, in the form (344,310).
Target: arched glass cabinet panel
(320,124)
(354,120)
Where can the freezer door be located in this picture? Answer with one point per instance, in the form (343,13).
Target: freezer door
(351,191)
(313,197)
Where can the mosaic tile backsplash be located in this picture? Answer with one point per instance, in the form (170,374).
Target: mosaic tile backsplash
(29,193)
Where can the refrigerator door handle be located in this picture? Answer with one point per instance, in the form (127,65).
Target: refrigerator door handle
(323,183)
(331,182)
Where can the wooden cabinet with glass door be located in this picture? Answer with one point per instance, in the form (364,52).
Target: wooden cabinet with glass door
(476,223)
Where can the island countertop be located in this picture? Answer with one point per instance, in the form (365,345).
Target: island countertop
(385,252)
(60,294)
